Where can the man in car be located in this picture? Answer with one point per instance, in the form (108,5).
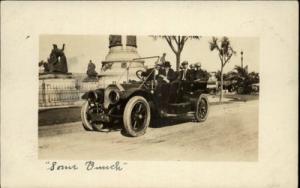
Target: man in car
(167,73)
(175,87)
(192,72)
(185,73)
(155,71)
(198,71)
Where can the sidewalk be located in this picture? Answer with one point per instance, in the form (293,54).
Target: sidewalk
(213,99)
(76,104)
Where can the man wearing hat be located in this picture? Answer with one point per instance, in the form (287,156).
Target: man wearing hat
(198,71)
(192,72)
(155,71)
(184,74)
(168,72)
(165,76)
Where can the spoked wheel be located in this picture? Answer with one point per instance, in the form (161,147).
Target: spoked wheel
(89,121)
(202,107)
(136,116)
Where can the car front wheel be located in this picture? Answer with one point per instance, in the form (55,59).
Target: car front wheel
(88,113)
(136,116)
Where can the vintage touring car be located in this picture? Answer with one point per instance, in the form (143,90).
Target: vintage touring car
(135,102)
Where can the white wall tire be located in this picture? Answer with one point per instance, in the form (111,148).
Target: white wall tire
(87,125)
(85,122)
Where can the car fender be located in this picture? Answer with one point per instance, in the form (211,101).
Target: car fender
(98,92)
(85,95)
(137,92)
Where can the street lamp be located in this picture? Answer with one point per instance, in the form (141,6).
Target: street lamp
(242,58)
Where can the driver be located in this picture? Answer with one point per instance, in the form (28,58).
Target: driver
(149,73)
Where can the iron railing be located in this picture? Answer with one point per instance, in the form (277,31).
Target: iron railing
(54,95)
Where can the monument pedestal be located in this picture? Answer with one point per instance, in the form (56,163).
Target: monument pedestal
(120,64)
(57,90)
(54,75)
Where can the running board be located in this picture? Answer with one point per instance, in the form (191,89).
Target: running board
(177,115)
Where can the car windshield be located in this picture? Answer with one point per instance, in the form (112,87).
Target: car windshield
(132,67)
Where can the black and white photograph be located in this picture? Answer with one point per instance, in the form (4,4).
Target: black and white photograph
(149,94)
(148,97)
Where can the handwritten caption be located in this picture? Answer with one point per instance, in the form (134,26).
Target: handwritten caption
(87,165)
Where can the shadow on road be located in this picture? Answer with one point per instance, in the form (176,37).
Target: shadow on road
(159,123)
(155,123)
(164,122)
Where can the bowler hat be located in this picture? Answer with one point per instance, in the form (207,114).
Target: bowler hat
(167,64)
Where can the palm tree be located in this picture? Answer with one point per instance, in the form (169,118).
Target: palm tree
(225,75)
(225,52)
(176,43)
(242,79)
(254,76)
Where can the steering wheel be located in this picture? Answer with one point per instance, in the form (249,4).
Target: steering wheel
(139,74)
(142,75)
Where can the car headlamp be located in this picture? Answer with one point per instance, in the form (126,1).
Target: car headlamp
(113,96)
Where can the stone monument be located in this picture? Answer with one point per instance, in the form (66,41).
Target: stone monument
(57,60)
(56,65)
(92,75)
(56,85)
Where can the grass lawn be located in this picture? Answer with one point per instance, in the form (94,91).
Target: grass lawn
(59,115)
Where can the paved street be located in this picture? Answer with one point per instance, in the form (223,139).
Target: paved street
(229,134)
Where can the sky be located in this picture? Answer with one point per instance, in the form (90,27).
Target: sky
(80,49)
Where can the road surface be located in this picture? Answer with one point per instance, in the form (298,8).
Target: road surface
(229,134)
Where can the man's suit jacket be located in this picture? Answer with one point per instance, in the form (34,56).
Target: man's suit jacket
(171,74)
(188,75)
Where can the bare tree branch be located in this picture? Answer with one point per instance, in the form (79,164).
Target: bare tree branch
(182,42)
(186,38)
(169,41)
(176,40)
(179,41)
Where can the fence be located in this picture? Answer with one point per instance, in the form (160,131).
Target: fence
(63,92)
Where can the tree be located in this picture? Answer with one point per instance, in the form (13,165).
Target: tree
(225,53)
(243,80)
(204,74)
(225,76)
(176,43)
(254,76)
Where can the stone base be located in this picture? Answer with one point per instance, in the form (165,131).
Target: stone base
(90,79)
(57,90)
(54,75)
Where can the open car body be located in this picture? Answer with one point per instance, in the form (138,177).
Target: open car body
(135,102)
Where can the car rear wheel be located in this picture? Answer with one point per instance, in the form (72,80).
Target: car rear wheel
(202,107)
(136,116)
(87,122)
